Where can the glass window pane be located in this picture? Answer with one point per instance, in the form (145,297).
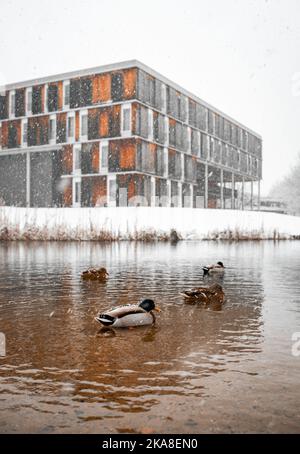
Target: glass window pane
(112,190)
(67,95)
(76,159)
(104,156)
(84,125)
(71,127)
(126,119)
(77,192)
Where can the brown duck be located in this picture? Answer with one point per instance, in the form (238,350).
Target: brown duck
(94,274)
(212,294)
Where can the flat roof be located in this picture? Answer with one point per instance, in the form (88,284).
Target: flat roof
(117,66)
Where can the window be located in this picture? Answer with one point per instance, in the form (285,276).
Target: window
(112,191)
(151,83)
(189,139)
(24,132)
(52,129)
(211,149)
(126,119)
(77,159)
(195,142)
(117,86)
(0,135)
(66,86)
(83,125)
(250,164)
(165,162)
(71,127)
(166,133)
(46,98)
(12,103)
(150,123)
(164,97)
(186,100)
(103,156)
(76,192)
(29,101)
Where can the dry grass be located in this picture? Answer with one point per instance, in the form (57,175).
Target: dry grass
(30,233)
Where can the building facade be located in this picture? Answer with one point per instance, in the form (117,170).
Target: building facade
(121,135)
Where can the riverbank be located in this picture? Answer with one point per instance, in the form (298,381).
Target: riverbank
(144,224)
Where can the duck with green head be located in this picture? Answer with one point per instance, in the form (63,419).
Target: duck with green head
(216,268)
(129,315)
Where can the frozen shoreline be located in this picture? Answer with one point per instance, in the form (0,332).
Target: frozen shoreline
(144,223)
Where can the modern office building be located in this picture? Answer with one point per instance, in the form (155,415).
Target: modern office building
(121,134)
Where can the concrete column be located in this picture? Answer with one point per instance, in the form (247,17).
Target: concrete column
(153,199)
(179,194)
(192,196)
(169,192)
(243,192)
(28,179)
(232,192)
(258,196)
(206,187)
(251,196)
(222,188)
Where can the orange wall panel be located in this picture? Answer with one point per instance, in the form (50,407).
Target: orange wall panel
(95,157)
(131,188)
(104,123)
(60,95)
(67,195)
(18,127)
(99,190)
(68,159)
(130,78)
(104,87)
(127,155)
(212,203)
(77,126)
(4,134)
(96,91)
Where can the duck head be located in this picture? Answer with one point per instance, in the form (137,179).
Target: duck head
(149,305)
(216,288)
(221,264)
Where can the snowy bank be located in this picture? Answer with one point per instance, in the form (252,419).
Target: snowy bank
(143,223)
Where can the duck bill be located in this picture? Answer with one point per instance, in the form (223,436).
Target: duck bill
(157,309)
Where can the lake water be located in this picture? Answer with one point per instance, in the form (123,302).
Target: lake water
(229,369)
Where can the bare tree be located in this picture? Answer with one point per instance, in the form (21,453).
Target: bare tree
(288,189)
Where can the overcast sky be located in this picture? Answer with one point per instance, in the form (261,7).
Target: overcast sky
(242,56)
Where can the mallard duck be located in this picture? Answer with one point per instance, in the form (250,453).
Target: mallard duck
(94,274)
(212,294)
(217,268)
(129,315)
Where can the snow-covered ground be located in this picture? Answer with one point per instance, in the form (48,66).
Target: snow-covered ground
(143,223)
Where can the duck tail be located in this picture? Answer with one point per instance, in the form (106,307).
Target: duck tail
(205,270)
(105,319)
(183,294)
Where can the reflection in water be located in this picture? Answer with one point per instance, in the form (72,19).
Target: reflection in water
(62,373)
